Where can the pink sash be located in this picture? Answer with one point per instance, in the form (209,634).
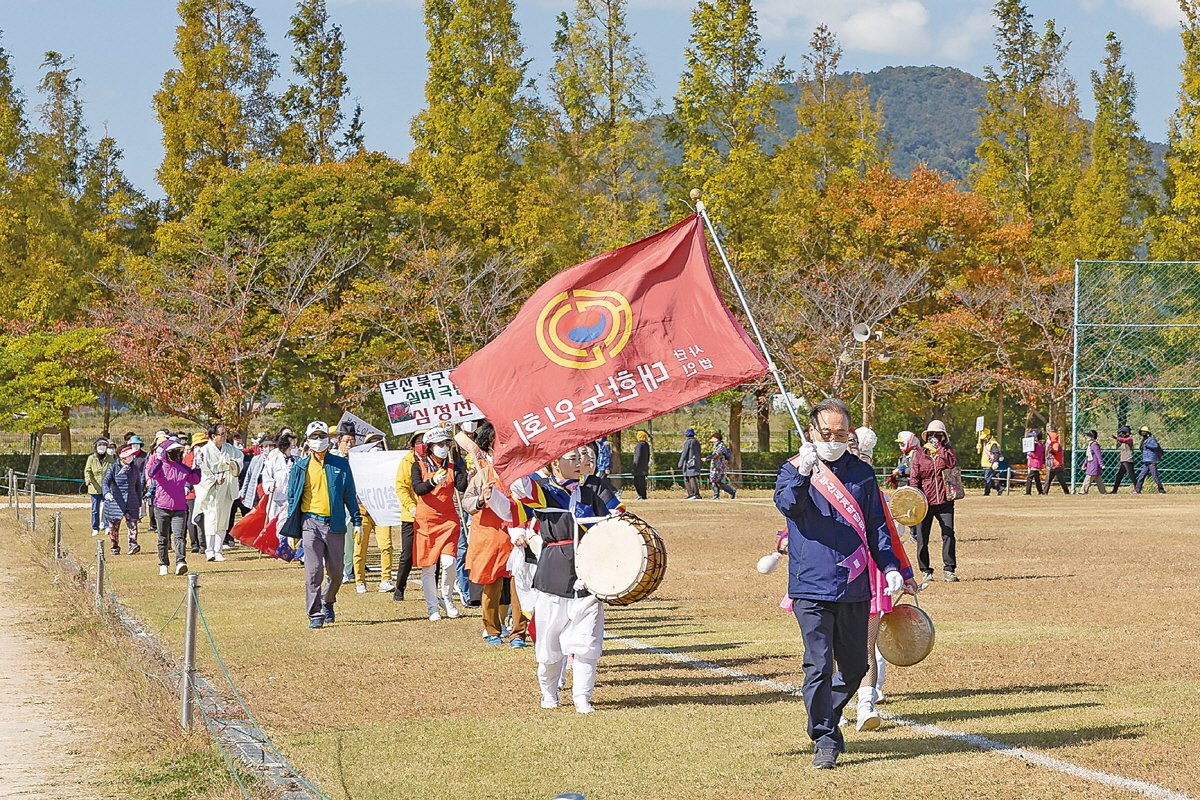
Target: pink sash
(833,490)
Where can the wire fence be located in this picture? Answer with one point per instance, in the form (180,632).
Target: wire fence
(242,743)
(1136,355)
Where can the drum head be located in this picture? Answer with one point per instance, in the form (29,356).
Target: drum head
(905,636)
(612,558)
(908,505)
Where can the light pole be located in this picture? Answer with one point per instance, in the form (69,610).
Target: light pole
(862,334)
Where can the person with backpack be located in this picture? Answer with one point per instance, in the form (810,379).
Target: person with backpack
(1151,455)
(1124,457)
(929,467)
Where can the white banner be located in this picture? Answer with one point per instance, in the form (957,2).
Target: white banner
(375,481)
(423,401)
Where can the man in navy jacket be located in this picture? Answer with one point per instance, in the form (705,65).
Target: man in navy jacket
(832,608)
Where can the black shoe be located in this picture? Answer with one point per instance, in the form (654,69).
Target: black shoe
(825,759)
(330,616)
(398,596)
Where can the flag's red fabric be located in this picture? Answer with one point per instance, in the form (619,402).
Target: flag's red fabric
(255,530)
(614,341)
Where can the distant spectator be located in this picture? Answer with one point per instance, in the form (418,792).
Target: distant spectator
(1124,458)
(929,465)
(718,463)
(1151,455)
(1093,465)
(123,492)
(1035,461)
(689,463)
(641,463)
(1054,461)
(603,457)
(989,458)
(98,462)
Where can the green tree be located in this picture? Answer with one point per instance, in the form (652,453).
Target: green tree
(1114,199)
(603,149)
(1177,232)
(216,108)
(1032,143)
(724,115)
(477,120)
(312,105)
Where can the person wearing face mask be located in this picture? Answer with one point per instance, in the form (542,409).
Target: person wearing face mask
(718,463)
(435,478)
(561,504)
(123,493)
(929,463)
(641,464)
(836,526)
(320,499)
(195,530)
(171,478)
(219,464)
(408,509)
(254,473)
(93,475)
(689,463)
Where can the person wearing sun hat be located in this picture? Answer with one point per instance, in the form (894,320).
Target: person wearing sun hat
(435,478)
(1151,454)
(172,479)
(123,490)
(689,463)
(93,473)
(929,463)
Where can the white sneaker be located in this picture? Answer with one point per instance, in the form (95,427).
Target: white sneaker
(95,532)
(218,557)
(386,586)
(181,568)
(434,617)
(583,707)
(452,611)
(361,588)
(879,695)
(163,569)
(209,557)
(868,717)
(549,702)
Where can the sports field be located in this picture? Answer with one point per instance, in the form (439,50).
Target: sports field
(1074,634)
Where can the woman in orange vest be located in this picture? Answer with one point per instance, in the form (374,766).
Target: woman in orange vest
(436,526)
(491,510)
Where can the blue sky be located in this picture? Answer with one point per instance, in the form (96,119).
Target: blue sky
(123,47)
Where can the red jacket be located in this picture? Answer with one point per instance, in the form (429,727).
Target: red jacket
(926,473)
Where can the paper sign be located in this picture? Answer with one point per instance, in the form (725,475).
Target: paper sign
(979,424)
(1027,444)
(423,401)
(375,481)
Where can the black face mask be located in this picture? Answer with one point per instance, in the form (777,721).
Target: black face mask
(172,455)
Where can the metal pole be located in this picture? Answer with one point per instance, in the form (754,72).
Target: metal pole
(703,212)
(189,650)
(57,534)
(12,491)
(32,503)
(1074,376)
(865,372)
(99,572)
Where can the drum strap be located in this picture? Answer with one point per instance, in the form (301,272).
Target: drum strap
(842,502)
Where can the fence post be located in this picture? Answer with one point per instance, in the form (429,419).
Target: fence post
(11,488)
(99,573)
(189,651)
(57,535)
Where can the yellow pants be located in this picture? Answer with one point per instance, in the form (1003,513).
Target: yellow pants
(383,538)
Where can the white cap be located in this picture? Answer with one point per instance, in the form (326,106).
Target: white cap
(436,436)
(314,427)
(866,441)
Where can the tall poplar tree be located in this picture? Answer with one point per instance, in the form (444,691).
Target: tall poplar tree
(312,105)
(603,149)
(1114,200)
(14,139)
(1177,232)
(724,115)
(469,137)
(216,108)
(1032,142)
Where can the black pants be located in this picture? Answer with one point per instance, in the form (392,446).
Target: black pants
(639,485)
(171,528)
(1148,468)
(1125,468)
(831,632)
(1035,475)
(405,561)
(692,484)
(1059,474)
(195,531)
(944,512)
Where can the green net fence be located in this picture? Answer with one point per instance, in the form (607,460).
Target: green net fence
(1137,362)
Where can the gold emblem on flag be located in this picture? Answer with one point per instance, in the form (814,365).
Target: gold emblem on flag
(583,329)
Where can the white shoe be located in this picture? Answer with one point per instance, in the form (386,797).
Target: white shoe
(868,717)
(163,569)
(434,617)
(361,588)
(217,557)
(209,557)
(452,611)
(95,532)
(879,695)
(386,586)
(181,568)
(583,707)
(549,702)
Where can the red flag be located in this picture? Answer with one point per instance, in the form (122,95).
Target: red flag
(609,343)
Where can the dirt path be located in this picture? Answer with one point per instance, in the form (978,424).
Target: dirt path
(40,747)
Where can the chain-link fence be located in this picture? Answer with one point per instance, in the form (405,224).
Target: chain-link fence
(1137,362)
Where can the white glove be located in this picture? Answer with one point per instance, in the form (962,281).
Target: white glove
(439,477)
(895,582)
(358,535)
(806,459)
(768,563)
(109,497)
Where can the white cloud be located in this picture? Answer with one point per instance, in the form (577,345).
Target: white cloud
(897,28)
(1164,14)
(961,40)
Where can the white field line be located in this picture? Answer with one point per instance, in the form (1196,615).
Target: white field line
(981,742)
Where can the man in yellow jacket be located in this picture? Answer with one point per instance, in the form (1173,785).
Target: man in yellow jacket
(408,505)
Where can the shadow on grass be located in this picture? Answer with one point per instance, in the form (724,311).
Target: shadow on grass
(947,694)
(1022,577)
(710,699)
(955,715)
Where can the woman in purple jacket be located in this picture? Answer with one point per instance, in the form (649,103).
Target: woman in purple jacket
(1093,465)
(170,502)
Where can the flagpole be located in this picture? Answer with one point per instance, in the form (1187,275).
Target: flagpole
(737,285)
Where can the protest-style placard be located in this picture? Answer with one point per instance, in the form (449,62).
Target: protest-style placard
(375,481)
(422,401)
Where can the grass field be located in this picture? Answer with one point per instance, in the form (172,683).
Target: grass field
(1075,633)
